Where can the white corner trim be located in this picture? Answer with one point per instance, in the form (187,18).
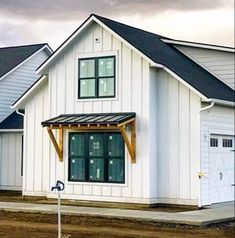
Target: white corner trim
(200,45)
(26,60)
(17,104)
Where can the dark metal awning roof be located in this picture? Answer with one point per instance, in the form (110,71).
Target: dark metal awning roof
(113,119)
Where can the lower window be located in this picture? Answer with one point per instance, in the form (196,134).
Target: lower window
(96,157)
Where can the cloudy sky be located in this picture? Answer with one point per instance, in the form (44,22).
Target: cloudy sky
(52,21)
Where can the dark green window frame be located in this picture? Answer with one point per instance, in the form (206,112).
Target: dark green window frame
(107,159)
(97,77)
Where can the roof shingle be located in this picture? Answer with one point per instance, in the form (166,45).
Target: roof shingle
(10,57)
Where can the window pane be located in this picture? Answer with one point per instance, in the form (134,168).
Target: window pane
(87,68)
(227,143)
(115,144)
(106,67)
(87,87)
(77,145)
(96,145)
(77,168)
(214,142)
(106,87)
(96,169)
(116,170)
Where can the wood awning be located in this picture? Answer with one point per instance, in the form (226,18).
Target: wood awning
(97,121)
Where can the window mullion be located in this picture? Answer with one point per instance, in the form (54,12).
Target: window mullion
(86,157)
(97,77)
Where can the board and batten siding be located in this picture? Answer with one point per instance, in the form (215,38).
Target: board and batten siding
(132,95)
(17,82)
(218,120)
(10,160)
(36,145)
(177,140)
(219,63)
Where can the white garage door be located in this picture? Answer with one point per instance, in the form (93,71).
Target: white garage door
(222,168)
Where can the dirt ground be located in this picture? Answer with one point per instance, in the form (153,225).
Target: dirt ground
(30,225)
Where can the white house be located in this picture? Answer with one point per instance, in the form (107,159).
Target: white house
(17,74)
(124,115)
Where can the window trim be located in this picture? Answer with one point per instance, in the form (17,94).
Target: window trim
(97,77)
(106,159)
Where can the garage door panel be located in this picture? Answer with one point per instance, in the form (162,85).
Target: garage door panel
(221,156)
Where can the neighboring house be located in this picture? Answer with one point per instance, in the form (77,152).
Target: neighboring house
(17,74)
(123,115)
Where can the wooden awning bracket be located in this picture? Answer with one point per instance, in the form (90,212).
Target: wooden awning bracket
(130,143)
(58,146)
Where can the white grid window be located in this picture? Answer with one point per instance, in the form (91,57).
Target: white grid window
(227,143)
(214,142)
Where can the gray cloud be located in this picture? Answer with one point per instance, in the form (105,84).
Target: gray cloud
(75,9)
(14,35)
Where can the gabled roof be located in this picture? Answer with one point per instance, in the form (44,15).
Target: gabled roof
(158,51)
(10,57)
(159,54)
(14,121)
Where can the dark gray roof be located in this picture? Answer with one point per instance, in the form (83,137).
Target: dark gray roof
(10,57)
(160,52)
(14,121)
(91,119)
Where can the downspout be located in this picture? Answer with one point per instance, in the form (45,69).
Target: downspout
(201,174)
(20,113)
(207,107)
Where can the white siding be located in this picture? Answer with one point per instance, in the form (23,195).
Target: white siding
(36,145)
(219,63)
(132,81)
(177,143)
(218,120)
(16,83)
(10,161)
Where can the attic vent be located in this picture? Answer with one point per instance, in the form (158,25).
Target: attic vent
(97,40)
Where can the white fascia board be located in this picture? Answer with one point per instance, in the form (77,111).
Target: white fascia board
(26,60)
(61,48)
(200,45)
(11,130)
(22,99)
(41,69)
(182,81)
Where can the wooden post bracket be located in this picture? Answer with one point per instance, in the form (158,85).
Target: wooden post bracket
(58,146)
(131,145)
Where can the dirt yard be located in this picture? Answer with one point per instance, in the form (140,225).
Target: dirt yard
(25,225)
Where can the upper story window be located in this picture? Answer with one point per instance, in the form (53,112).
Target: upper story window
(96,77)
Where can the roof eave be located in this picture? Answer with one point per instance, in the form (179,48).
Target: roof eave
(199,45)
